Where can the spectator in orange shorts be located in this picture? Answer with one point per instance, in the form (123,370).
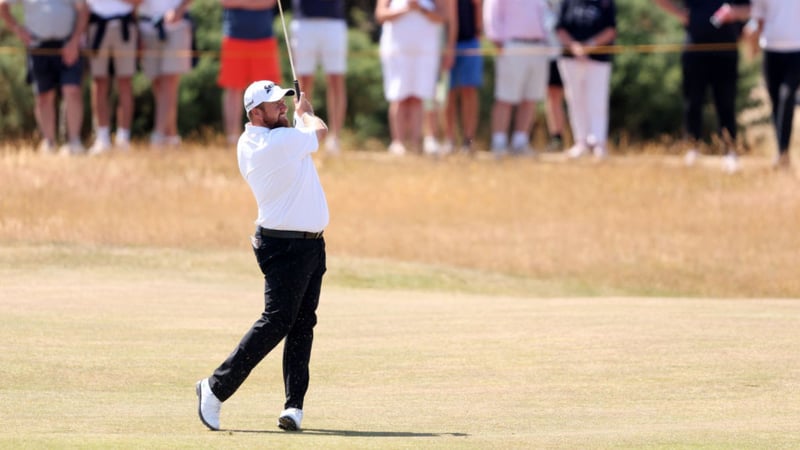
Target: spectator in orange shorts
(249,53)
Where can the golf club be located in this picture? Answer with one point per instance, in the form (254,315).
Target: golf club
(289,50)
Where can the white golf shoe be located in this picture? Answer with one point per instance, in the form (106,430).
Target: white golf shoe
(208,405)
(290,419)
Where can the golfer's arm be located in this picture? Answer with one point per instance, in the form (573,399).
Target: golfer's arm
(310,121)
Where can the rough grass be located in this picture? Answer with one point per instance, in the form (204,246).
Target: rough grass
(637,225)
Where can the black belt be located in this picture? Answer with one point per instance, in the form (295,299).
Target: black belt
(284,234)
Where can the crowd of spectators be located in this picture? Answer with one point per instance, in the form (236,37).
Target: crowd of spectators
(547,52)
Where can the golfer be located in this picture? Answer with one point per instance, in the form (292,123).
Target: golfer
(275,159)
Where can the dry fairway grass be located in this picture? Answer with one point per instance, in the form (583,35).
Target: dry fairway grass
(104,354)
(469,304)
(633,226)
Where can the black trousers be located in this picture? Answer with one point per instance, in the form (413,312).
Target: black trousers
(782,73)
(293,270)
(718,70)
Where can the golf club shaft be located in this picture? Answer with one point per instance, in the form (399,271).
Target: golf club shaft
(289,50)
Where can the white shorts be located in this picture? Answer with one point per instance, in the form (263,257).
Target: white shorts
(521,72)
(319,41)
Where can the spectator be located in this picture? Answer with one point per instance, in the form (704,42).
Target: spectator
(466,76)
(583,26)
(410,52)
(717,69)
(777,32)
(113,41)
(52,34)
(167,43)
(517,29)
(554,110)
(249,52)
(435,140)
(319,36)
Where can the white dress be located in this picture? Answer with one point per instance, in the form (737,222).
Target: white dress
(410,49)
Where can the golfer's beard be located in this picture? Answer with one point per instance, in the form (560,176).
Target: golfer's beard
(281,122)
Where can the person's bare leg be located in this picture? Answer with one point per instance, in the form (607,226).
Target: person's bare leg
(554,112)
(414,108)
(100,106)
(232,113)
(169,103)
(307,86)
(470,104)
(337,103)
(501,117)
(158,119)
(451,114)
(73,99)
(125,105)
(45,112)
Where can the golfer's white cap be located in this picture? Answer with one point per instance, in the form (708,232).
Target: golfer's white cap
(263,91)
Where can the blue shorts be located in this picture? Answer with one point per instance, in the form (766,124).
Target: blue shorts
(467,69)
(47,71)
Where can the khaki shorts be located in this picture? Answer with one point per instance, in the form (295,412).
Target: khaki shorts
(172,56)
(114,47)
(521,72)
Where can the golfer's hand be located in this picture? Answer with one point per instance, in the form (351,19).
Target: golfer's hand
(302,105)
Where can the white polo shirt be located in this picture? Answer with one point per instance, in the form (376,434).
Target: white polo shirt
(781,28)
(278,167)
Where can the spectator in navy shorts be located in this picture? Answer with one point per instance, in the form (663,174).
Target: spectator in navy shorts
(466,75)
(52,34)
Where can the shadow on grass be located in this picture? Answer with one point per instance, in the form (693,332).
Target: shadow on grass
(352,433)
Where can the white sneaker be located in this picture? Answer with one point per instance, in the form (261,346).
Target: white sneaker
(208,405)
(600,152)
(577,150)
(46,147)
(397,148)
(172,141)
(290,419)
(430,146)
(99,147)
(691,157)
(122,144)
(332,145)
(730,163)
(446,148)
(72,149)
